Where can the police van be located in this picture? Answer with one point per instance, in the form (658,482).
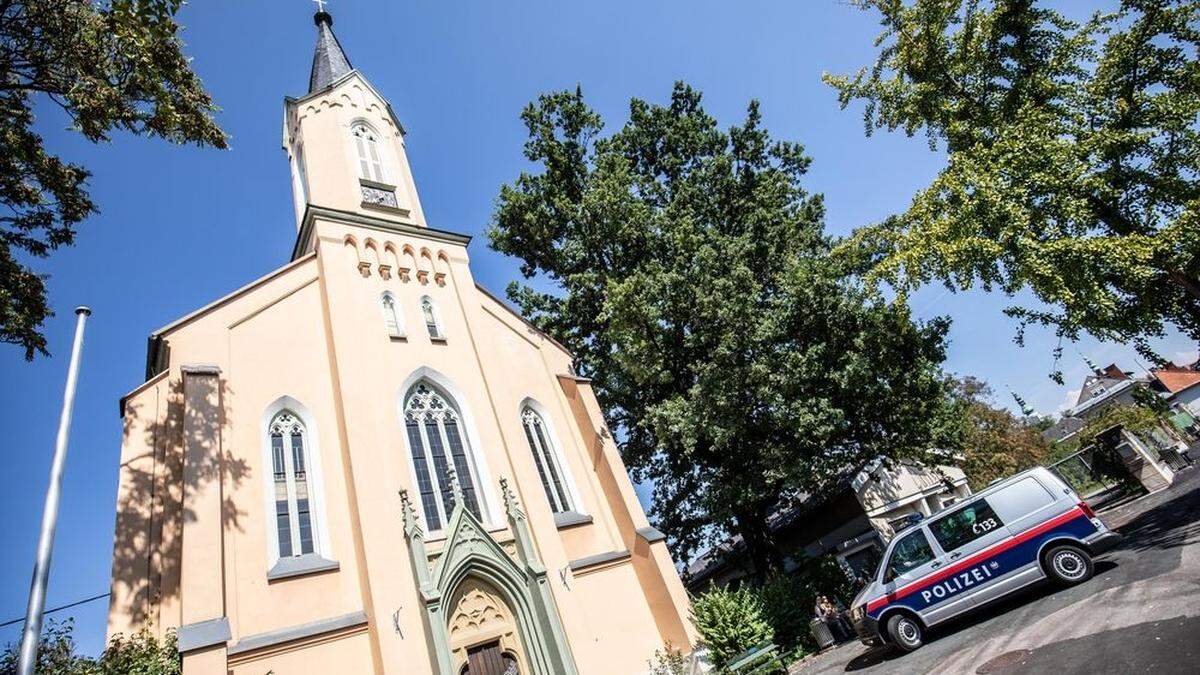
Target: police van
(1025,528)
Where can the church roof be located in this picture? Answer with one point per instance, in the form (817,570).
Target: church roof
(329,61)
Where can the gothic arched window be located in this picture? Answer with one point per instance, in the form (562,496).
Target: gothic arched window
(391,315)
(293,498)
(432,321)
(366,143)
(437,441)
(546,457)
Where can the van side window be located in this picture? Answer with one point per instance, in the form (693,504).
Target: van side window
(965,525)
(1021,499)
(910,552)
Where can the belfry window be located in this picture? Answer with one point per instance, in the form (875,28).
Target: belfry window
(293,500)
(545,457)
(391,315)
(366,144)
(432,321)
(436,442)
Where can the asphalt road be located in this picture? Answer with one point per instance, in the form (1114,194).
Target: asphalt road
(1139,614)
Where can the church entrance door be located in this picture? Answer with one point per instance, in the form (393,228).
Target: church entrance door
(489,660)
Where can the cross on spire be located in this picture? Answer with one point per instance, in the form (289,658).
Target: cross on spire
(320,5)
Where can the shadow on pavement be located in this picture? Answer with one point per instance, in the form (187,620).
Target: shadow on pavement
(872,657)
(1114,651)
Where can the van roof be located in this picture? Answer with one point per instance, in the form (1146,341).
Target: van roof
(996,486)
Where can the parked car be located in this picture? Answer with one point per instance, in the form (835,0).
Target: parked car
(1025,528)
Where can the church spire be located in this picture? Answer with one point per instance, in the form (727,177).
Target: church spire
(329,61)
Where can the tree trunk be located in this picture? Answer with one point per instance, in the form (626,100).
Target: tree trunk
(760,545)
(1116,221)
(1189,283)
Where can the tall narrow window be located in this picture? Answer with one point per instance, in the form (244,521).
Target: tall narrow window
(391,315)
(437,442)
(367,146)
(546,459)
(432,322)
(293,503)
(300,181)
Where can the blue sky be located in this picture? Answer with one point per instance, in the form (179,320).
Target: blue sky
(180,227)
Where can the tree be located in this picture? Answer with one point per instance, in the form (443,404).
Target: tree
(994,444)
(109,65)
(688,271)
(1073,158)
(138,654)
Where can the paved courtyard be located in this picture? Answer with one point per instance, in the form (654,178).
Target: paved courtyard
(1139,614)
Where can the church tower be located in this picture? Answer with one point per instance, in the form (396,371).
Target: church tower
(364,462)
(370,173)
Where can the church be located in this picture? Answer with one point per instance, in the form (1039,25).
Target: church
(364,462)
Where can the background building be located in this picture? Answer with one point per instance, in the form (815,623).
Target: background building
(853,523)
(1151,456)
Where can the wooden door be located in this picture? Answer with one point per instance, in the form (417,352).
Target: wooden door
(489,660)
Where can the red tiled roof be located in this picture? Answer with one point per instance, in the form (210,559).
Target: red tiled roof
(1176,379)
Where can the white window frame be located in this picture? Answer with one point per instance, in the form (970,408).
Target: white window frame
(314,475)
(488,506)
(393,318)
(552,454)
(368,152)
(429,310)
(300,181)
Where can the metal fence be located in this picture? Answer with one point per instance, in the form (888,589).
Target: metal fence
(1078,470)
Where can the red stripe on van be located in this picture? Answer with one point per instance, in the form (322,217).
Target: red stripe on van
(998,547)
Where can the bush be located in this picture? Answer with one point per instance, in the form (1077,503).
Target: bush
(668,661)
(788,601)
(730,622)
(138,654)
(788,607)
(141,654)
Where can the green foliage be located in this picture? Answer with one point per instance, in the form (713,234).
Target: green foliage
(788,600)
(788,606)
(1103,458)
(1073,158)
(112,65)
(1136,419)
(669,661)
(730,623)
(56,654)
(139,654)
(687,269)
(993,443)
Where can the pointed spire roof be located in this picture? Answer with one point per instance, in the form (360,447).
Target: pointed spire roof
(329,61)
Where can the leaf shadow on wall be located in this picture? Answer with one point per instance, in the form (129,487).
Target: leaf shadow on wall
(151,511)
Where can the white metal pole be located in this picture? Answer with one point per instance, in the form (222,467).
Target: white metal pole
(41,568)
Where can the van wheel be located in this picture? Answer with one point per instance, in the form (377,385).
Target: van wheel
(1068,565)
(906,632)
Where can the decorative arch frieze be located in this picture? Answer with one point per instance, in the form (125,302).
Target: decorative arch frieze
(471,555)
(401,259)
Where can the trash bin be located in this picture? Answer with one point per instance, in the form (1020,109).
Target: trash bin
(821,633)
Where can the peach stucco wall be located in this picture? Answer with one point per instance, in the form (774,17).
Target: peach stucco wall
(313,331)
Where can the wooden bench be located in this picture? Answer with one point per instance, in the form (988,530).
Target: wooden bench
(759,660)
